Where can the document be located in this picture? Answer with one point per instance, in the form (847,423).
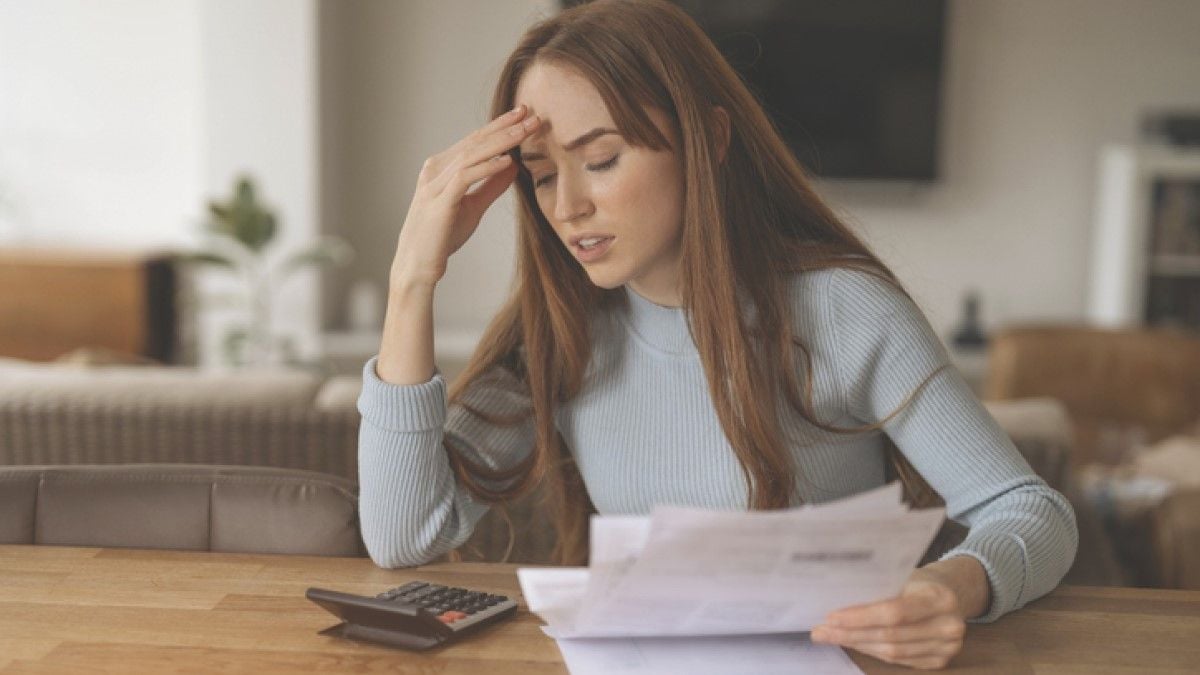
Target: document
(725,655)
(720,579)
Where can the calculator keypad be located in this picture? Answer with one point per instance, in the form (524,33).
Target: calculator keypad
(448,603)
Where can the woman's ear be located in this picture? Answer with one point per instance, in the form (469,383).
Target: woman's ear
(723,132)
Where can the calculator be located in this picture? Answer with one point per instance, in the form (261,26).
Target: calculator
(418,615)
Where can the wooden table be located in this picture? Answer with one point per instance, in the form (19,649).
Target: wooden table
(120,610)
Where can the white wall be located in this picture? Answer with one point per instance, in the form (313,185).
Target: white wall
(260,118)
(407,80)
(100,107)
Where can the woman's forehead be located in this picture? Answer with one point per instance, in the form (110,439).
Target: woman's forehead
(567,103)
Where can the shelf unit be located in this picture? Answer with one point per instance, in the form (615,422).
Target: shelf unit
(1146,246)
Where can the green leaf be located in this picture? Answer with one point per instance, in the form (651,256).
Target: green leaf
(244,192)
(208,258)
(218,210)
(326,252)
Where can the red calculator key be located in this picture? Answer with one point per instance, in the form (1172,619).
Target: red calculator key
(450,616)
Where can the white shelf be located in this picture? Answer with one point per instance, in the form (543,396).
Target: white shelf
(1121,260)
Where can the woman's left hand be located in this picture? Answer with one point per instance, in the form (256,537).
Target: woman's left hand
(922,627)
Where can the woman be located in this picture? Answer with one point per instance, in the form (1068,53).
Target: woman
(690,325)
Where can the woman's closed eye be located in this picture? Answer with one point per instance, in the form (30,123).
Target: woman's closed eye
(602,166)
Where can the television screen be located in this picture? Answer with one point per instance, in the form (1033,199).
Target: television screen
(852,85)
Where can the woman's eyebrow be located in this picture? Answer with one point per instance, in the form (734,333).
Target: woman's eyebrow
(577,143)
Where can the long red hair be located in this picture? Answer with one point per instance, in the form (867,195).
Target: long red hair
(752,216)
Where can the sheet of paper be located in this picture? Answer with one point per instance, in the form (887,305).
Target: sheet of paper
(616,538)
(554,593)
(759,576)
(727,655)
(689,572)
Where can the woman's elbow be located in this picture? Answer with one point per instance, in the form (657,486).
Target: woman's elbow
(409,542)
(393,559)
(1061,538)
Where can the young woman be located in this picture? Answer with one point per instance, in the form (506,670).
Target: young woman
(690,325)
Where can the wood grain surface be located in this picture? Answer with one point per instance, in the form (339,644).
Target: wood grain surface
(68,610)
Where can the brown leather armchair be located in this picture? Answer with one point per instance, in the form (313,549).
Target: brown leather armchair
(1115,384)
(179,506)
(1122,389)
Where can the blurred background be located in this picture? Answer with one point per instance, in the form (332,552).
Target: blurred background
(218,185)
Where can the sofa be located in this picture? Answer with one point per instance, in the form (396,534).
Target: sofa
(65,414)
(235,509)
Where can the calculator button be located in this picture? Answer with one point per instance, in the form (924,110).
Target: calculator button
(451,616)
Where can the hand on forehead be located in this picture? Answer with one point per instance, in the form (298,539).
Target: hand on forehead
(569,106)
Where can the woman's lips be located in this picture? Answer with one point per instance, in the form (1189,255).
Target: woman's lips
(587,255)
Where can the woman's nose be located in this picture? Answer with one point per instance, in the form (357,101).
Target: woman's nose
(571,202)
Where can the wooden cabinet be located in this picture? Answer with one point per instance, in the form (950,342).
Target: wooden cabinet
(1146,246)
(54,301)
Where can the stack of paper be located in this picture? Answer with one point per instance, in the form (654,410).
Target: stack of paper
(691,572)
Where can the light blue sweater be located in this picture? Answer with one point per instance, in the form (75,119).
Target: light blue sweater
(644,431)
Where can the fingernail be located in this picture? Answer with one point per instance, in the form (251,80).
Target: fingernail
(530,123)
(517,110)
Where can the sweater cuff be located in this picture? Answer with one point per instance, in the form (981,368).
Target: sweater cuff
(1004,560)
(402,407)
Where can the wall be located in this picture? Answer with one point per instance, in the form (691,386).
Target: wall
(260,80)
(402,81)
(100,122)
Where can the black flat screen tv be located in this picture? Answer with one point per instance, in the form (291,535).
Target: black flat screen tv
(854,86)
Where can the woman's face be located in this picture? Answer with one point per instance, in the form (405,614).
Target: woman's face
(592,184)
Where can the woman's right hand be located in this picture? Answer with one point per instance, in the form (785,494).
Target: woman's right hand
(444,212)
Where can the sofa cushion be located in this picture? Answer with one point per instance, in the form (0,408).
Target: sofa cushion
(265,513)
(339,393)
(18,494)
(180,506)
(167,386)
(109,506)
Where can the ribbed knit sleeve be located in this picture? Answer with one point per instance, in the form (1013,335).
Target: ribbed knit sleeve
(411,507)
(1021,530)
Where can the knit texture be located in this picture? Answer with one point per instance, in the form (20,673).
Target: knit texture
(644,431)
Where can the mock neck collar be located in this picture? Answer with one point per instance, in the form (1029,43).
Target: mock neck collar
(664,328)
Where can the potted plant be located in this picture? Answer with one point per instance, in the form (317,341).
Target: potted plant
(240,231)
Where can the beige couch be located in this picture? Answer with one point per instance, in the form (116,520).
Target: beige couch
(63,414)
(237,509)
(69,414)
